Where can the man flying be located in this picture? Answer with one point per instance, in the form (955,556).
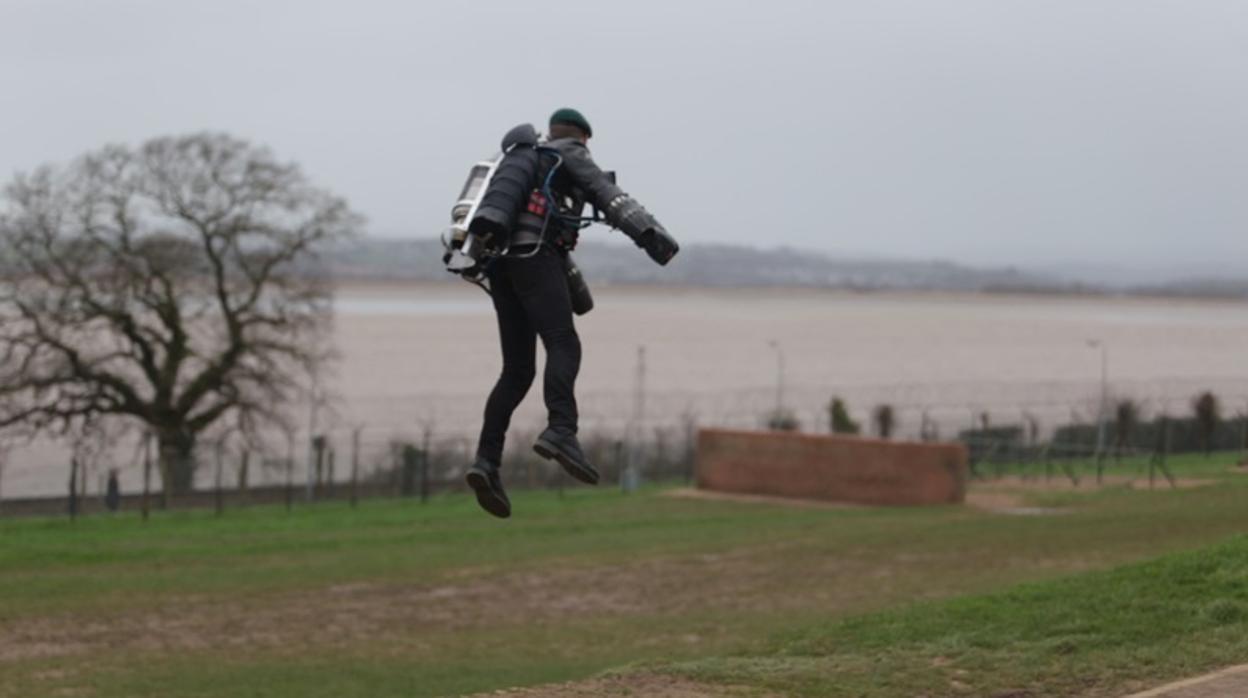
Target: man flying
(529,286)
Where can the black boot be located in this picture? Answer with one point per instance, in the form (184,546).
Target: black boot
(564,448)
(483,478)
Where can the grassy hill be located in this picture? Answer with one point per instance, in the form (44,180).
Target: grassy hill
(399,599)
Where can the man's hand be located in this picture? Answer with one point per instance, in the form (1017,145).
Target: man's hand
(658,244)
(635,221)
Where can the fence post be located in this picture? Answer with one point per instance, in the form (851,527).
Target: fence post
(396,479)
(290,469)
(407,474)
(73,488)
(355,465)
(1152,460)
(1159,460)
(317,464)
(619,463)
(1165,469)
(329,481)
(1243,440)
(147,472)
(3,462)
(1165,441)
(691,449)
(244,470)
(218,499)
(1069,468)
(166,486)
(426,438)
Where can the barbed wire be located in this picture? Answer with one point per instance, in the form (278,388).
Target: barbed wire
(447,423)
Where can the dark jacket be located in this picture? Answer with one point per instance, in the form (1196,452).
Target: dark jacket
(580,179)
(582,182)
(577,181)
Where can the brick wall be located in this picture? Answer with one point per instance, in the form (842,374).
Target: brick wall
(832,468)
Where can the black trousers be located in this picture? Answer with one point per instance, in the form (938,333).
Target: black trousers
(531,300)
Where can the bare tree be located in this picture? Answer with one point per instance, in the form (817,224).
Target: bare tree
(173,284)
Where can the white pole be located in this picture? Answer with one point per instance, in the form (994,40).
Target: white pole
(632,478)
(775,344)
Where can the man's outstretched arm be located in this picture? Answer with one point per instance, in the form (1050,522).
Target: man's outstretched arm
(622,211)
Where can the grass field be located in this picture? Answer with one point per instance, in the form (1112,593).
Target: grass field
(396,598)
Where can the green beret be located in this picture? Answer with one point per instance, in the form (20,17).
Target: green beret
(571,117)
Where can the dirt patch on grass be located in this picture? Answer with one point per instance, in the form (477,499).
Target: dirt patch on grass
(1000,501)
(1086,484)
(1227,682)
(1007,495)
(797,576)
(781,577)
(649,685)
(342,615)
(37,645)
(708,495)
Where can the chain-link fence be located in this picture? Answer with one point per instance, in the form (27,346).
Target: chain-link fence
(420,447)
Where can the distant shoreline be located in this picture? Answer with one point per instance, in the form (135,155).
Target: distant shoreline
(708,266)
(454,286)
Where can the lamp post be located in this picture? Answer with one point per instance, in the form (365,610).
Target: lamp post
(1100,427)
(775,344)
(630,478)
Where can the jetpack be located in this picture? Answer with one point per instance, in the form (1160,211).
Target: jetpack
(494,197)
(489,203)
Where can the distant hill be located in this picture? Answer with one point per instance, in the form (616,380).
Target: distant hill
(699,265)
(729,265)
(1195,288)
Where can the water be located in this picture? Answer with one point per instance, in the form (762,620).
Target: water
(417,356)
(353,304)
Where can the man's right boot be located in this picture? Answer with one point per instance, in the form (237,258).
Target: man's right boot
(483,478)
(564,448)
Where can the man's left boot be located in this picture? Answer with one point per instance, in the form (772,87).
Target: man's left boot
(564,448)
(483,478)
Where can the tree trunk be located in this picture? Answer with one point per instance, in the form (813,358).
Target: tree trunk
(177,460)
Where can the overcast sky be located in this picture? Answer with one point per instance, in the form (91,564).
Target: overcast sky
(1033,133)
